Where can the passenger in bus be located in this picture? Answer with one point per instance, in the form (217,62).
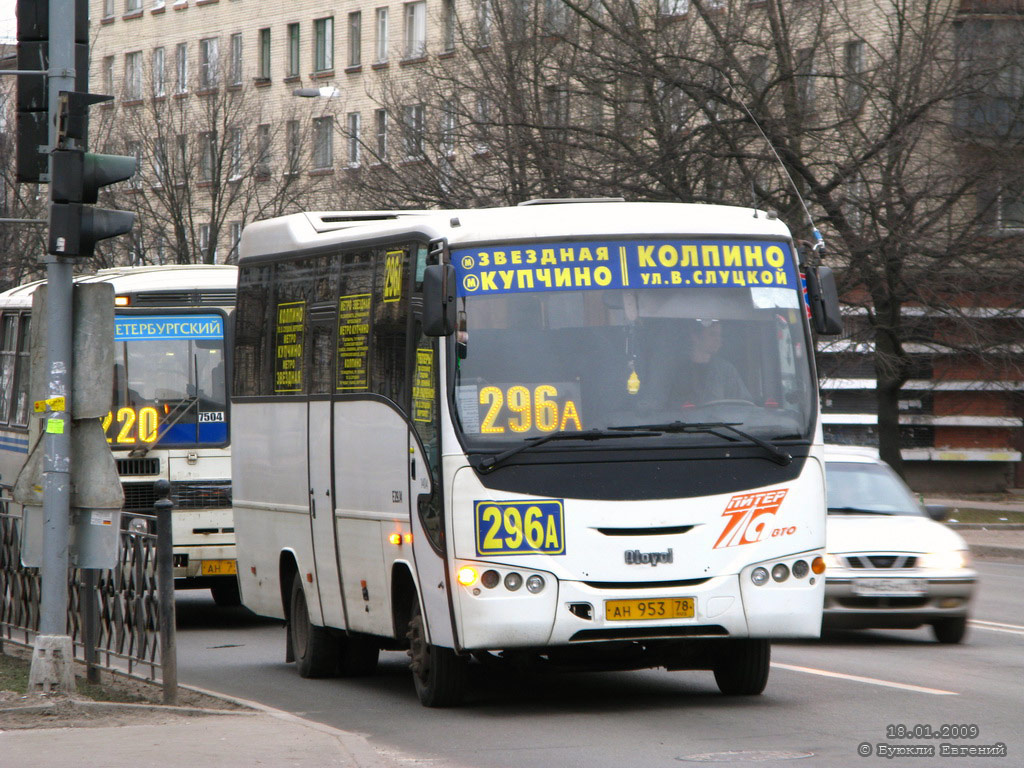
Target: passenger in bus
(706,375)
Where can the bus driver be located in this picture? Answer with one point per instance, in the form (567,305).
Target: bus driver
(707,376)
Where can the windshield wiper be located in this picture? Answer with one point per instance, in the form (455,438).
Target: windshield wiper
(778,455)
(857,511)
(177,413)
(490,462)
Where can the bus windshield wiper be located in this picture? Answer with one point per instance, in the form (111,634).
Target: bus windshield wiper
(490,462)
(778,455)
(177,413)
(856,511)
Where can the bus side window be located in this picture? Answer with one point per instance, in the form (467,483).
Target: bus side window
(8,361)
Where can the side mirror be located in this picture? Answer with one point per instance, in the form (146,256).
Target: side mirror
(824,298)
(938,512)
(439,307)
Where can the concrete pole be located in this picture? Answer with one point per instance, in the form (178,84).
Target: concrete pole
(53,656)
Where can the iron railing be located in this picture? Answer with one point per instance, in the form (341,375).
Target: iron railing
(119,619)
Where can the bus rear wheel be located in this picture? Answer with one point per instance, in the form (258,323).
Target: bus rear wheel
(314,648)
(742,667)
(439,674)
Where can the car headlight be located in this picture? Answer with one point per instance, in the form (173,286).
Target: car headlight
(946,561)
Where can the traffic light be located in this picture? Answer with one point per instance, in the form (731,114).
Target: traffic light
(75,226)
(33,93)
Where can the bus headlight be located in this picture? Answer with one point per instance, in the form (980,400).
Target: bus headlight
(535,583)
(759,576)
(138,525)
(466,576)
(513,581)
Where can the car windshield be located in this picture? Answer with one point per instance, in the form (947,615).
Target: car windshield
(532,363)
(169,384)
(857,487)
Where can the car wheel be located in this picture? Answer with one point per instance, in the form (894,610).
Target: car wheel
(314,648)
(742,667)
(950,631)
(438,673)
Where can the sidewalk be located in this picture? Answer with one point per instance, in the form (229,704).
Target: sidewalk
(999,540)
(164,737)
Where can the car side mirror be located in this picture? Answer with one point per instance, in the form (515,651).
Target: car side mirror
(439,306)
(938,512)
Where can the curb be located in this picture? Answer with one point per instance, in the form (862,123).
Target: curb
(993,550)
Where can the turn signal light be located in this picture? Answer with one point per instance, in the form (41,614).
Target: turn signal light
(395,538)
(466,576)
(818,565)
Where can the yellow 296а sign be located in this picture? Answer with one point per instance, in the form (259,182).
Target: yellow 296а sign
(519,527)
(520,409)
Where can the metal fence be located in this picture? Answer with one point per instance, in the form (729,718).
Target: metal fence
(120,619)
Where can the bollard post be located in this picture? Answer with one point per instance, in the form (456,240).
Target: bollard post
(165,590)
(90,624)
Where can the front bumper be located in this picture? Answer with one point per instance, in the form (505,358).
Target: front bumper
(939,596)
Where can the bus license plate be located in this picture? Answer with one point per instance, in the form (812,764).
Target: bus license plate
(649,610)
(219,567)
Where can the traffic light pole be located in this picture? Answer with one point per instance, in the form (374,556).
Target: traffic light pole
(53,655)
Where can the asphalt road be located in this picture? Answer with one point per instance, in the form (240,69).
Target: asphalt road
(824,699)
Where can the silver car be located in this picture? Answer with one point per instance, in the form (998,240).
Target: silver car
(890,565)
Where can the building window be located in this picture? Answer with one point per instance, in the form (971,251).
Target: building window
(159,73)
(484,21)
(323,143)
(262,160)
(108,8)
(133,76)
(108,74)
(412,130)
(133,148)
(236,237)
(353,123)
(234,154)
(448,26)
(382,36)
(131,6)
(415,29)
(853,70)
(159,164)
(556,17)
(236,59)
(483,121)
(294,139)
(292,69)
(355,39)
(448,128)
(1011,206)
(263,71)
(207,155)
(805,79)
(204,245)
(181,68)
(208,63)
(323,49)
(380,120)
(673,7)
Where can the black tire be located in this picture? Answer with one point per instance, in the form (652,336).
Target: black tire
(743,666)
(314,648)
(357,656)
(439,674)
(226,594)
(950,631)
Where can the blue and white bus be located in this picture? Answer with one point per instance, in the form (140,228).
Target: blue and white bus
(582,434)
(170,413)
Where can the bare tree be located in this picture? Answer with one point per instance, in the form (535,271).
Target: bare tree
(210,161)
(886,125)
(21,244)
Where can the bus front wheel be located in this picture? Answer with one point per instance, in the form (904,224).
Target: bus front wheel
(742,666)
(438,673)
(314,648)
